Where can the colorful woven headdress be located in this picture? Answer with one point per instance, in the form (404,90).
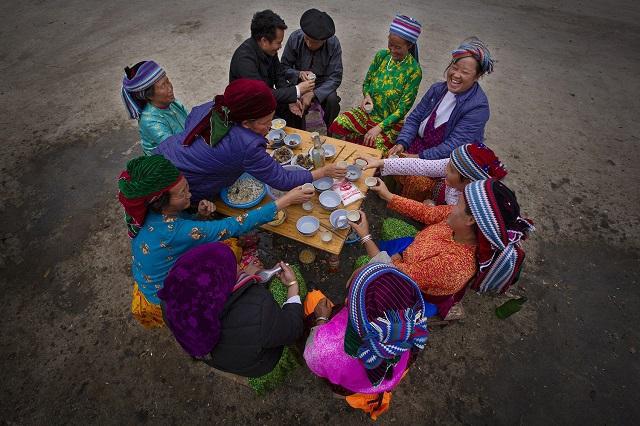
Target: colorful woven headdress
(408,29)
(386,318)
(500,230)
(136,79)
(475,48)
(476,162)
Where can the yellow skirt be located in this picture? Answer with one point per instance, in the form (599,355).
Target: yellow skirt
(147,314)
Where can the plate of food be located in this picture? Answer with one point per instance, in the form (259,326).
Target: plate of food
(303,160)
(276,193)
(282,155)
(245,192)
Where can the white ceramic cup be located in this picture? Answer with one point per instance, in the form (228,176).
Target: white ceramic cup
(326,236)
(307,206)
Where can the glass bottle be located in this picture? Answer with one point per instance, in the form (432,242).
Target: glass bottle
(510,307)
(317,153)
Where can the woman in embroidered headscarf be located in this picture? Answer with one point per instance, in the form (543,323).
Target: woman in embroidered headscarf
(481,233)
(365,348)
(388,91)
(154,195)
(229,319)
(444,179)
(228,139)
(148,96)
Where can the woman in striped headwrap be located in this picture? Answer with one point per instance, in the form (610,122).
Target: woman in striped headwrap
(444,180)
(154,195)
(365,348)
(388,91)
(459,241)
(148,97)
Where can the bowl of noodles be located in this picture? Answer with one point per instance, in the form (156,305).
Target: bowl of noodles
(245,192)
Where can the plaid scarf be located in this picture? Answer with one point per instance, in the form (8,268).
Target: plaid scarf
(144,77)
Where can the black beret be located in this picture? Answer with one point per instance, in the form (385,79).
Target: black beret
(317,25)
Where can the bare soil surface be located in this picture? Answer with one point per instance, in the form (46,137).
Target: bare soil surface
(564,102)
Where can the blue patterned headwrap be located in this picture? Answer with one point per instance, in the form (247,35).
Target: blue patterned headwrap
(387,317)
(145,76)
(475,48)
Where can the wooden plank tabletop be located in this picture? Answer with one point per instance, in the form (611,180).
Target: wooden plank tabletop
(288,229)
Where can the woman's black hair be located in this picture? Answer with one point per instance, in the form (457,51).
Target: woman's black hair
(159,204)
(265,23)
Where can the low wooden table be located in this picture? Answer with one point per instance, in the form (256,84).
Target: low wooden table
(288,229)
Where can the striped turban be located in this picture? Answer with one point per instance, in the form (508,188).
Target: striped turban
(477,162)
(500,230)
(474,47)
(387,317)
(137,79)
(144,181)
(408,29)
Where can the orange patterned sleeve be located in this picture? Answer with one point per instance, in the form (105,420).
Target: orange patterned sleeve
(441,275)
(419,211)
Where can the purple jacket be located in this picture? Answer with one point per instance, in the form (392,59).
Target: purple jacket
(209,169)
(465,125)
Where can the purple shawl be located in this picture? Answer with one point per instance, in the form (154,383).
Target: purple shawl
(194,294)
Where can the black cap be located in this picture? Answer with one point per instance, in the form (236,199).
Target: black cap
(317,25)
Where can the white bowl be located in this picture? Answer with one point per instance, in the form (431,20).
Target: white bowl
(278,124)
(308,225)
(278,135)
(353,215)
(329,150)
(371,182)
(293,140)
(326,236)
(333,218)
(353,173)
(307,206)
(323,184)
(330,200)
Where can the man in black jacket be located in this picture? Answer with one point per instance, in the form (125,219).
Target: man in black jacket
(314,51)
(257,58)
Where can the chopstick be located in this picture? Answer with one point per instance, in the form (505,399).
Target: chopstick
(339,152)
(349,156)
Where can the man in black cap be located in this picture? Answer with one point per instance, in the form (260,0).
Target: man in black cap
(257,58)
(315,50)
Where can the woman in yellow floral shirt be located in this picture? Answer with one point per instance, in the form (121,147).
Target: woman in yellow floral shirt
(389,90)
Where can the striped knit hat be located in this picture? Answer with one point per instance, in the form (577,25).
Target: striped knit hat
(136,79)
(476,162)
(475,48)
(386,318)
(408,29)
(500,230)
(144,181)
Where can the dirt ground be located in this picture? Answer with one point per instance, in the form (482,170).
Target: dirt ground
(564,102)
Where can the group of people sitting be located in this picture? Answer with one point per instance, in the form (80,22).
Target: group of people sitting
(195,274)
